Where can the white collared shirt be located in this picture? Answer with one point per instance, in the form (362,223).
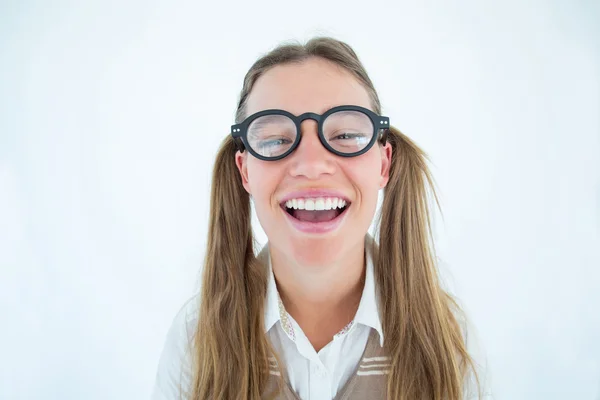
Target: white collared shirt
(314,376)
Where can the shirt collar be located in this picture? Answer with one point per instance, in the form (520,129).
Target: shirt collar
(368,312)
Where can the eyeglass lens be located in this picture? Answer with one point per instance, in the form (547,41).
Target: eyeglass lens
(345,131)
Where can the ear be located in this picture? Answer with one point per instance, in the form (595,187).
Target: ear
(386,163)
(241,162)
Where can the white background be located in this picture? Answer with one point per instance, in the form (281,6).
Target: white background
(111,113)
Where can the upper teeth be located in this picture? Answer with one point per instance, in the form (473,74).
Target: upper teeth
(319,203)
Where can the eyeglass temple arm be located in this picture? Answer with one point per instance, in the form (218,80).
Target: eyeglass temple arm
(236,133)
(384,125)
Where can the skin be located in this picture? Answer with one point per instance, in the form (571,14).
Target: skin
(320,277)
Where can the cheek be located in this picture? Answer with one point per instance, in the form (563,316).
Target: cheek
(262,179)
(365,174)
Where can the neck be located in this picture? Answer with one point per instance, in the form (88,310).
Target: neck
(322,299)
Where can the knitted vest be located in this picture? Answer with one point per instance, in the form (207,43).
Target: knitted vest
(369,380)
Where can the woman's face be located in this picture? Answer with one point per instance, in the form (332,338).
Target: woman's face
(311,172)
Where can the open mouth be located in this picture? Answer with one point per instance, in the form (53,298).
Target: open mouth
(316,210)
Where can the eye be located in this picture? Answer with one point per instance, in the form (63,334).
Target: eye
(274,142)
(348,135)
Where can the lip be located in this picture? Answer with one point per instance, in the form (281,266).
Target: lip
(313,193)
(316,227)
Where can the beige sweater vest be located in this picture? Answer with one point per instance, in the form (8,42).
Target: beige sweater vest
(369,380)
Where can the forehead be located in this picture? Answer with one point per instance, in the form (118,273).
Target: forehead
(314,85)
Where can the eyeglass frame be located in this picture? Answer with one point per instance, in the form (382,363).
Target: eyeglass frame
(239,132)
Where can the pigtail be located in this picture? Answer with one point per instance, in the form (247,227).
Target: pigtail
(232,295)
(422,333)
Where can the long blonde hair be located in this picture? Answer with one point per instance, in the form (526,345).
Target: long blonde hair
(420,320)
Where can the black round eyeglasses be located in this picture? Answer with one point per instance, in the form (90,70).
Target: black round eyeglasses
(346,131)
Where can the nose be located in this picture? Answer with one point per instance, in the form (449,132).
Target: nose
(311,159)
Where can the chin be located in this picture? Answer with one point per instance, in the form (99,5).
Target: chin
(317,251)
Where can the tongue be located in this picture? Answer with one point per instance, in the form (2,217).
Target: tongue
(316,216)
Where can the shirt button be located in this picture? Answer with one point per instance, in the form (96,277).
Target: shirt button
(319,371)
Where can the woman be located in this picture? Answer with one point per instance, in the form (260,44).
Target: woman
(323,311)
